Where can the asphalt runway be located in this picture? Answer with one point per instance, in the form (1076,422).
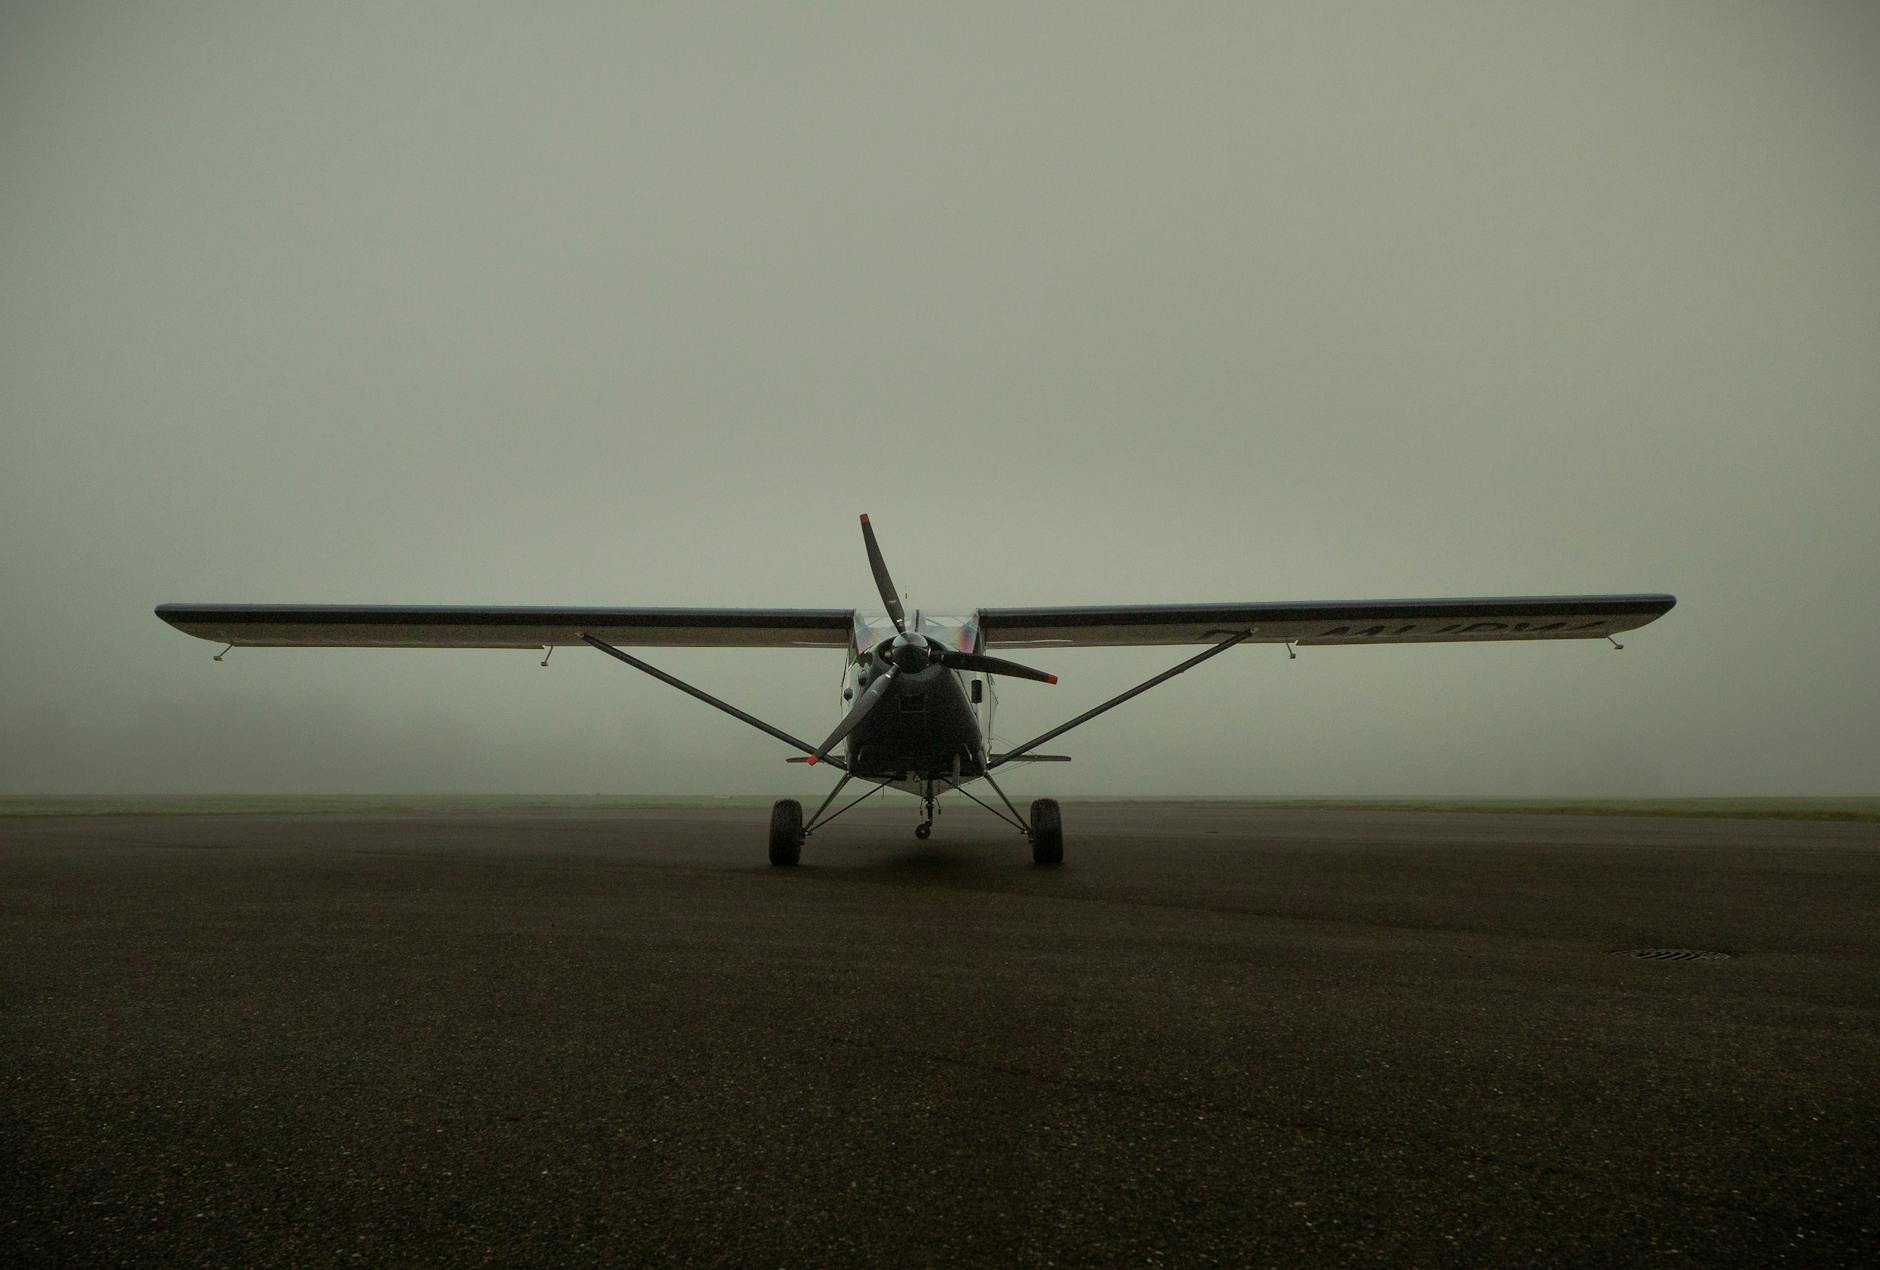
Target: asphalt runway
(1217,1034)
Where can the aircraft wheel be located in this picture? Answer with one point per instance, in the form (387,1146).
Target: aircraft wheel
(921,831)
(786,832)
(1047,832)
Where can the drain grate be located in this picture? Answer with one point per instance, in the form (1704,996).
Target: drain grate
(1673,954)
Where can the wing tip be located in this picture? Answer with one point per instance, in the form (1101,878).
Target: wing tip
(173,614)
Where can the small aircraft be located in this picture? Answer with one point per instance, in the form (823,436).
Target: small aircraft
(919,693)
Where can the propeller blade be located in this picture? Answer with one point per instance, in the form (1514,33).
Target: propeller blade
(993,666)
(857,712)
(890,598)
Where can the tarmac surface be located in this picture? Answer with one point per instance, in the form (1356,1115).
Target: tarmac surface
(1216,1034)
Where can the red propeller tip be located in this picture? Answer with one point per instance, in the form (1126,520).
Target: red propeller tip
(864,518)
(1050,679)
(812,760)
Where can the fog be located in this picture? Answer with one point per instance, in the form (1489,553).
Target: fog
(643,304)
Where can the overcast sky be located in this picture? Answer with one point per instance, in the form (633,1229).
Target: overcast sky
(642,304)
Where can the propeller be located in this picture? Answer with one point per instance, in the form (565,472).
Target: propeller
(910,652)
(953,660)
(890,598)
(863,704)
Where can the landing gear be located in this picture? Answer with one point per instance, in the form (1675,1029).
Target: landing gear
(1047,832)
(786,832)
(925,828)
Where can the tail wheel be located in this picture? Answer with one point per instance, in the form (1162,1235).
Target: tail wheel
(1047,832)
(786,832)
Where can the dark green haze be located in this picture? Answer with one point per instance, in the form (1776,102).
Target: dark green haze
(642,304)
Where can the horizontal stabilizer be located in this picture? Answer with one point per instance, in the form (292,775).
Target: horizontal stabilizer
(996,758)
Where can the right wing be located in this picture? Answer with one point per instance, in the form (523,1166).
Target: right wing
(456,626)
(1324,621)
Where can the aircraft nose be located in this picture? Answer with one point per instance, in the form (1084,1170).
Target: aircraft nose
(910,653)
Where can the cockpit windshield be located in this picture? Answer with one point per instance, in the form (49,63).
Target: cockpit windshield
(954,630)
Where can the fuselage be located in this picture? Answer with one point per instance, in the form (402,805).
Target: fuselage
(926,728)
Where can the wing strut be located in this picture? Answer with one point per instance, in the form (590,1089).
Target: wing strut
(707,698)
(1113,702)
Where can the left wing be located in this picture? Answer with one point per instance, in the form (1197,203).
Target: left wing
(454,626)
(1325,621)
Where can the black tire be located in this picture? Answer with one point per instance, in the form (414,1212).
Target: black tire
(1047,832)
(786,832)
